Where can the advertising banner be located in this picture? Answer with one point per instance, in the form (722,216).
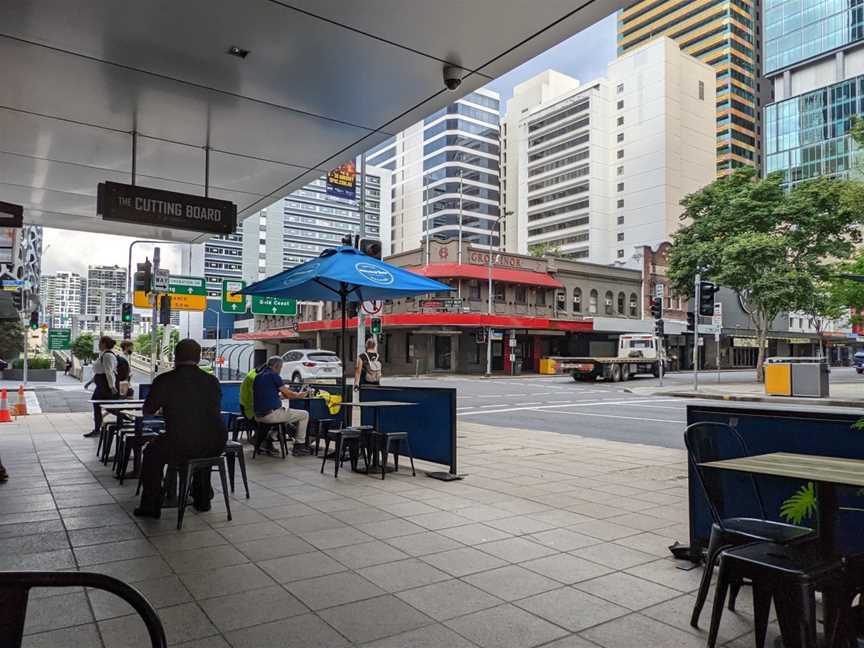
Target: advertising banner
(342,180)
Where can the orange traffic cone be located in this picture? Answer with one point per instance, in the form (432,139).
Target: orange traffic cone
(21,405)
(5,416)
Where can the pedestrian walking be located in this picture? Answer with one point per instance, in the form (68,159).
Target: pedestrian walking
(124,369)
(105,378)
(368,369)
(68,367)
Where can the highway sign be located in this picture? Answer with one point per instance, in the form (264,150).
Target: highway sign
(178,285)
(59,339)
(187,294)
(12,284)
(265,305)
(231,302)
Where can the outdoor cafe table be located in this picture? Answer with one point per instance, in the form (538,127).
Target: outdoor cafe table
(376,407)
(826,472)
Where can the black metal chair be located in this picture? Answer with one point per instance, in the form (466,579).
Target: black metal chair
(318,429)
(382,443)
(345,439)
(186,471)
(240,424)
(15,589)
(790,576)
(262,431)
(234,450)
(132,439)
(713,441)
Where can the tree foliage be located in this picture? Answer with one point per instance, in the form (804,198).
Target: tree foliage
(82,347)
(142,342)
(11,339)
(772,246)
(542,250)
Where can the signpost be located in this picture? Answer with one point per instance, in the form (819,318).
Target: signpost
(59,339)
(160,281)
(145,206)
(266,305)
(232,302)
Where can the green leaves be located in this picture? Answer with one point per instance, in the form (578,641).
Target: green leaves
(82,347)
(801,505)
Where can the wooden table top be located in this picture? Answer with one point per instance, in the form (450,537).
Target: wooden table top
(833,470)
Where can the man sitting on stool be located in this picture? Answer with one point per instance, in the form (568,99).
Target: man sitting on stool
(191,403)
(268,390)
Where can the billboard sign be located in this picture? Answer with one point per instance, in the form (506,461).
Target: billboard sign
(342,180)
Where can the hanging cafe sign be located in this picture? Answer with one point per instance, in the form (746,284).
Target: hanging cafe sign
(145,206)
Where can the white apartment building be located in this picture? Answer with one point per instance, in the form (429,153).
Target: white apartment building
(62,295)
(596,171)
(445,175)
(106,292)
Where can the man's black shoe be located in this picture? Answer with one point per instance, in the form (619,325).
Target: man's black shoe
(146,513)
(91,434)
(201,507)
(300,450)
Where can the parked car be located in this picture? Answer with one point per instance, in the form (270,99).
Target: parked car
(309,365)
(858,361)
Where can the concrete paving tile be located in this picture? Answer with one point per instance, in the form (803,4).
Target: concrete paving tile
(402,575)
(520,525)
(305,631)
(48,560)
(628,591)
(410,508)
(80,635)
(391,528)
(246,532)
(573,641)
(572,609)
(566,569)
(134,570)
(563,539)
(333,589)
(603,530)
(448,599)
(474,534)
(300,566)
(181,622)
(649,543)
(515,550)
(676,613)
(274,547)
(505,626)
(37,543)
(225,580)
(309,523)
(376,618)
(420,544)
(187,540)
(30,528)
(196,560)
(332,538)
(432,636)
(98,535)
(620,633)
(438,520)
(246,609)
(639,521)
(614,555)
(665,571)
(366,554)
(160,592)
(463,561)
(512,582)
(124,550)
(60,611)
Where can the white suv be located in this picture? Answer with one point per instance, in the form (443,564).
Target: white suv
(309,365)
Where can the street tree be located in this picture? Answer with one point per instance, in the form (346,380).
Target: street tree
(11,339)
(770,245)
(82,347)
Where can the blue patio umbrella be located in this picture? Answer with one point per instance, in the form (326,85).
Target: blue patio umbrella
(345,275)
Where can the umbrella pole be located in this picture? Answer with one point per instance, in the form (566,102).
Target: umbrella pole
(343,303)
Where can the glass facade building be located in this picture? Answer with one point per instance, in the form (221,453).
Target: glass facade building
(721,33)
(807,136)
(798,30)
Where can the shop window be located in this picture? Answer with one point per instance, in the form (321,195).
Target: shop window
(634,305)
(621,299)
(592,302)
(521,293)
(577,300)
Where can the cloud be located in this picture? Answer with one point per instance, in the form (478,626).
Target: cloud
(75,251)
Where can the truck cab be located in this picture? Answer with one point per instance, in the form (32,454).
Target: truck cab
(637,346)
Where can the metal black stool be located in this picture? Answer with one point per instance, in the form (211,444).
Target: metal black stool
(241,424)
(234,450)
(382,442)
(187,470)
(262,431)
(344,439)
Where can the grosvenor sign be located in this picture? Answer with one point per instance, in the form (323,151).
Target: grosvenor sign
(504,260)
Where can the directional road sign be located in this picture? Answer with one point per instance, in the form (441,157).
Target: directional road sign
(231,302)
(187,294)
(59,339)
(262,305)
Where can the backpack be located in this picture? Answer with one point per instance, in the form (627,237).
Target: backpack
(372,367)
(123,369)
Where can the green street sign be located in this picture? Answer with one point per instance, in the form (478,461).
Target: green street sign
(179,285)
(273,306)
(59,339)
(232,303)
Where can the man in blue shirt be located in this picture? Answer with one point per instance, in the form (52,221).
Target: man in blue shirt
(268,390)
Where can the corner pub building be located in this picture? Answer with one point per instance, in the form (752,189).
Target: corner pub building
(550,306)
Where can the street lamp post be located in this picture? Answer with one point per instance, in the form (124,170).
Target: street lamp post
(501,216)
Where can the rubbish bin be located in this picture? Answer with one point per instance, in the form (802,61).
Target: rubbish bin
(810,379)
(548,366)
(778,378)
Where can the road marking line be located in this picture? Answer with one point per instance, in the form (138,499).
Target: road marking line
(677,409)
(588,404)
(629,418)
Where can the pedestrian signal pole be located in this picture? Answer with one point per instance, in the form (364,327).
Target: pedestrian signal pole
(696,297)
(154,321)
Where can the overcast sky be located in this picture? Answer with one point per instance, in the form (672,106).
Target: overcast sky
(583,56)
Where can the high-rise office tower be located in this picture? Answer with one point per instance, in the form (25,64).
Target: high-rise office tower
(223,259)
(445,175)
(814,62)
(596,171)
(106,291)
(61,296)
(723,34)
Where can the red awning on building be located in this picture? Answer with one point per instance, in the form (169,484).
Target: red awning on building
(503,275)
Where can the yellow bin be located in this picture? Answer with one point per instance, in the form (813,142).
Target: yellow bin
(548,366)
(778,379)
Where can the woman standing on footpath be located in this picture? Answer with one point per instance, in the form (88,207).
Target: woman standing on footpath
(368,369)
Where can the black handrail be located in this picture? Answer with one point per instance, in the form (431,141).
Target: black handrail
(15,588)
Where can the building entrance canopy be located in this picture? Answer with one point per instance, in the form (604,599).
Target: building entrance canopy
(321,83)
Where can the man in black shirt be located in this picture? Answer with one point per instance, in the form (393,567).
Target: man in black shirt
(190,401)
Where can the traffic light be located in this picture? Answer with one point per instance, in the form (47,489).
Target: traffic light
(370,247)
(658,328)
(144,277)
(165,309)
(706,297)
(375,327)
(691,322)
(34,320)
(126,313)
(127,330)
(657,307)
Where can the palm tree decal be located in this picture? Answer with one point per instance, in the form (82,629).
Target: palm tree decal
(801,505)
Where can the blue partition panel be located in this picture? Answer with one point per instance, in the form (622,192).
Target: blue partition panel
(230,394)
(431,423)
(820,431)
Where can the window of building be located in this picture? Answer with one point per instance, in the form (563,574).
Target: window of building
(577,300)
(620,203)
(621,170)
(620,236)
(620,154)
(620,104)
(592,302)
(540,297)
(607,303)
(634,305)
(621,302)
(521,294)
(499,292)
(702,90)
(473,289)
(561,300)
(620,220)
(620,137)
(620,186)
(620,88)
(620,121)
(620,254)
